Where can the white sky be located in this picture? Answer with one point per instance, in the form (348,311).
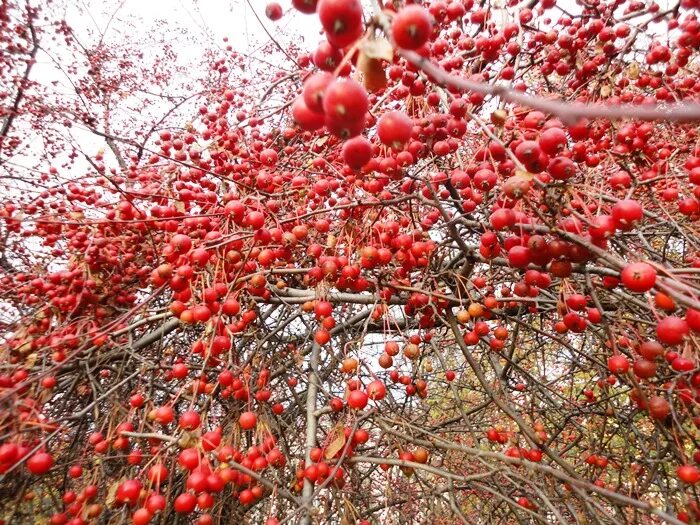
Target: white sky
(206,19)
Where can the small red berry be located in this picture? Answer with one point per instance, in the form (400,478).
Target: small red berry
(40,463)
(618,364)
(411,27)
(248,420)
(638,277)
(394,129)
(688,474)
(672,330)
(273,11)
(357,399)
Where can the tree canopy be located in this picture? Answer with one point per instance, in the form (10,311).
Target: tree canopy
(441,267)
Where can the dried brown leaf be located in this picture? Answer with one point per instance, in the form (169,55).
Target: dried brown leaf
(337,442)
(377,48)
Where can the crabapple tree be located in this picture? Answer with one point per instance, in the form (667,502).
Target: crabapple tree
(441,266)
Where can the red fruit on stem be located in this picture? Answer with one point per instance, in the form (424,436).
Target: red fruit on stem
(357,399)
(304,117)
(394,129)
(659,408)
(411,27)
(273,11)
(247,420)
(638,277)
(305,6)
(345,100)
(141,517)
(552,140)
(692,318)
(357,152)
(618,364)
(40,463)
(672,330)
(314,89)
(189,420)
(342,20)
(689,474)
(185,503)
(626,214)
(376,390)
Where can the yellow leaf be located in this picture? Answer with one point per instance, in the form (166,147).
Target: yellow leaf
(633,71)
(31,359)
(525,174)
(112,494)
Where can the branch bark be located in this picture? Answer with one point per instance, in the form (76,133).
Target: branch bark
(21,88)
(311,426)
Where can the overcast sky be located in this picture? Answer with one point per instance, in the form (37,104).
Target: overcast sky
(205,18)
